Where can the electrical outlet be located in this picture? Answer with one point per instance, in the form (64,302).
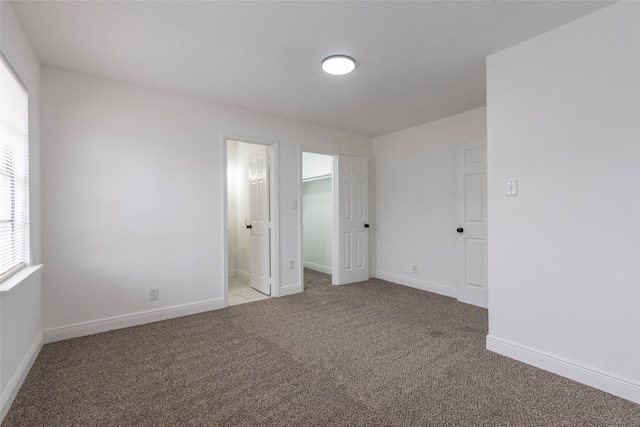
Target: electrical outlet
(292,264)
(415,269)
(512,187)
(154,294)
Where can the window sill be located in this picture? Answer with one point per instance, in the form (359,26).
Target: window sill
(17,279)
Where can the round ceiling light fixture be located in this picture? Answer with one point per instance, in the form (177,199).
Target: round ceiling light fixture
(338,65)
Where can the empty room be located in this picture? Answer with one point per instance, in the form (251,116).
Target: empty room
(301,213)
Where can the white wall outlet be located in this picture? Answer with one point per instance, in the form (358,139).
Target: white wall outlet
(292,264)
(512,187)
(154,294)
(415,269)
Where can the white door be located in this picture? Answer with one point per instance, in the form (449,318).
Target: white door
(472,222)
(352,223)
(259,221)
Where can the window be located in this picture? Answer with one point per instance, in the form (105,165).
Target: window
(14,172)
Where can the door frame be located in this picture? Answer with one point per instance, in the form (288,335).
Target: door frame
(272,154)
(334,248)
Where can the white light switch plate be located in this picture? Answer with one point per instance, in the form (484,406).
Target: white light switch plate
(512,187)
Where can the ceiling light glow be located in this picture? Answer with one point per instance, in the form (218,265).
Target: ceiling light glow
(338,65)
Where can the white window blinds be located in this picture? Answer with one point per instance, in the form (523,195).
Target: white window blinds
(14,172)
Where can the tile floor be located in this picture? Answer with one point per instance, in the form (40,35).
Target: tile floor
(240,292)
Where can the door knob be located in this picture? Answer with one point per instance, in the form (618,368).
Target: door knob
(249,226)
(366,226)
(460,230)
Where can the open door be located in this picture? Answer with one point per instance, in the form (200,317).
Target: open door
(472,222)
(352,222)
(259,222)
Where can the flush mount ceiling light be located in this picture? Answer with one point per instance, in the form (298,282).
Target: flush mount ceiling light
(338,64)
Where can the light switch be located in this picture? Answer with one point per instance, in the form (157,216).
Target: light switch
(512,187)
(294,204)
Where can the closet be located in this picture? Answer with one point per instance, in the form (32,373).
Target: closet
(317,211)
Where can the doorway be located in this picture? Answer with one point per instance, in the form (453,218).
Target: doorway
(250,225)
(348,204)
(317,212)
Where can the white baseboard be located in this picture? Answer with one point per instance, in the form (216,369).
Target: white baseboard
(317,267)
(11,390)
(290,290)
(605,381)
(243,276)
(128,320)
(418,284)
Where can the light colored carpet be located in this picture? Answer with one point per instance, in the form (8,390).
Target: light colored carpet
(367,354)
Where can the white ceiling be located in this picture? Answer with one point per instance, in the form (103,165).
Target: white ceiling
(417,61)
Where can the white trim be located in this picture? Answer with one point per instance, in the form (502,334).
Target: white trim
(243,275)
(19,277)
(317,267)
(12,388)
(127,320)
(594,377)
(240,275)
(225,221)
(274,203)
(423,285)
(316,178)
(290,290)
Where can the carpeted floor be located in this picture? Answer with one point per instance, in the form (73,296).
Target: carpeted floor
(367,354)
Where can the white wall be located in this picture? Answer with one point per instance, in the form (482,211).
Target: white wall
(415,181)
(315,165)
(133,198)
(21,309)
(563,119)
